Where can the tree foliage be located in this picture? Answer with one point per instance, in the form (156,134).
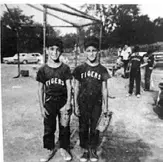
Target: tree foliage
(30,33)
(121,24)
(124,24)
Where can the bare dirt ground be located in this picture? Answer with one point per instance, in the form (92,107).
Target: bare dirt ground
(135,133)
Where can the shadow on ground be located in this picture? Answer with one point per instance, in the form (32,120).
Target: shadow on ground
(122,148)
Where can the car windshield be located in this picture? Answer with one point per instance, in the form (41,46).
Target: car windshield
(15,56)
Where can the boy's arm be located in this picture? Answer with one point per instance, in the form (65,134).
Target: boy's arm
(41,97)
(76,93)
(68,103)
(143,64)
(105,97)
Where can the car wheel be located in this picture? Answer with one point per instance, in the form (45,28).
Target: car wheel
(6,62)
(25,61)
(38,61)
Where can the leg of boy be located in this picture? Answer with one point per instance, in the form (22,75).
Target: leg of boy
(94,134)
(131,82)
(138,79)
(64,135)
(84,130)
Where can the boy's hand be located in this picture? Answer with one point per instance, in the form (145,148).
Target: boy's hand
(44,113)
(77,111)
(105,110)
(66,107)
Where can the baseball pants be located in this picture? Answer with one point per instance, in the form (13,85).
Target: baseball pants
(50,127)
(90,111)
(134,76)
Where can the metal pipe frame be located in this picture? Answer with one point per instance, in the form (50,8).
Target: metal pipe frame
(53,15)
(89,16)
(70,13)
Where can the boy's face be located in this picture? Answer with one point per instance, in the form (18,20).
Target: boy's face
(54,52)
(126,46)
(91,53)
(145,59)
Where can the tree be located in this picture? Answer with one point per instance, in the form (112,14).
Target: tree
(69,40)
(30,33)
(124,24)
(10,23)
(158,29)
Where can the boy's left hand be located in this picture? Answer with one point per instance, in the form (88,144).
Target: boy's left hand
(66,107)
(105,110)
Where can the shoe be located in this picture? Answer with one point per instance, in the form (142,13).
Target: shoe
(138,95)
(93,155)
(84,157)
(48,156)
(128,95)
(65,154)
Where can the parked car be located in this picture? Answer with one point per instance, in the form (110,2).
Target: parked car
(9,60)
(158,56)
(39,57)
(28,58)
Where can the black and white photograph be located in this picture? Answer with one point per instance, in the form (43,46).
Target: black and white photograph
(81,82)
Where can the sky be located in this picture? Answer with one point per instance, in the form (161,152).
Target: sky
(153,10)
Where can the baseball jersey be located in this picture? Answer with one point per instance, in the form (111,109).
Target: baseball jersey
(54,79)
(135,61)
(91,78)
(150,61)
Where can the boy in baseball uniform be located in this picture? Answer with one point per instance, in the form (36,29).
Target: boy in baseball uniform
(90,98)
(54,90)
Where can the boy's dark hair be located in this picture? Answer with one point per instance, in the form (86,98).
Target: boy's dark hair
(91,41)
(136,49)
(54,42)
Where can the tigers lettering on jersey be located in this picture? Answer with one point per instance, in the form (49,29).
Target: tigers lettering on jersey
(54,81)
(91,74)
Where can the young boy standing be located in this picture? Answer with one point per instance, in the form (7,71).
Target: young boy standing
(90,98)
(135,62)
(54,97)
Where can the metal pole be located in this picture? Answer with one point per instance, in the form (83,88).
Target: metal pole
(44,33)
(76,50)
(18,52)
(17,41)
(100,41)
(17,49)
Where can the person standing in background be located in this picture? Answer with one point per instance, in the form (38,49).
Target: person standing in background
(135,62)
(126,52)
(148,69)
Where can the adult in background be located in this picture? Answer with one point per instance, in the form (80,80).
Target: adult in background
(119,62)
(90,98)
(126,52)
(149,58)
(134,74)
(54,77)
